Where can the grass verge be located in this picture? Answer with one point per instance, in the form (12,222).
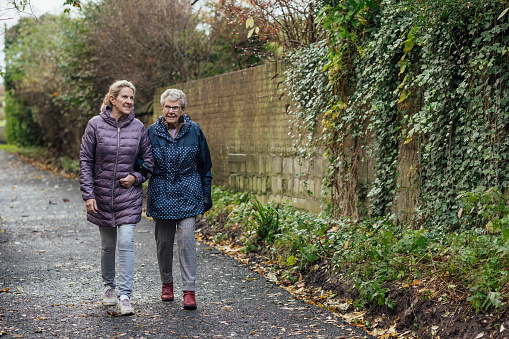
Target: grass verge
(44,159)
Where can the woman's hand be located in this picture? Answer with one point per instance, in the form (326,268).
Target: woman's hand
(91,206)
(128,181)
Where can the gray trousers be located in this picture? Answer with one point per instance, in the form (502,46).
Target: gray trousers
(165,237)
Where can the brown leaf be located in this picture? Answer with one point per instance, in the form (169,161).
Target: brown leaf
(416,282)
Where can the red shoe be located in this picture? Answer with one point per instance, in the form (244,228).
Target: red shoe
(167,294)
(189,300)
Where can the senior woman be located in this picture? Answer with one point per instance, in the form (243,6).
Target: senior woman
(178,191)
(112,189)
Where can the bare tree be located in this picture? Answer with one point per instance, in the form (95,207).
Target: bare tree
(288,24)
(153,43)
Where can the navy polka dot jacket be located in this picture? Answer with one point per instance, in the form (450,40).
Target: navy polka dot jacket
(182,175)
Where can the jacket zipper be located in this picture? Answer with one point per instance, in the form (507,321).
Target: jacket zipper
(114,176)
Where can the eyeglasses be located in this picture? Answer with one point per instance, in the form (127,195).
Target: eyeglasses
(171,108)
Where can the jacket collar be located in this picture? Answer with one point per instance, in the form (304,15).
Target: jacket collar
(181,124)
(181,129)
(106,115)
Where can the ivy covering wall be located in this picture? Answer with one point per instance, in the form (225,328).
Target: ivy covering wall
(429,72)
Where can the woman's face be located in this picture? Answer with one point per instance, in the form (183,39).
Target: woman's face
(124,102)
(172,112)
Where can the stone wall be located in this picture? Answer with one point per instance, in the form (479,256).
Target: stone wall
(243,115)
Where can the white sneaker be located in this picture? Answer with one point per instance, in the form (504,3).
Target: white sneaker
(109,298)
(124,306)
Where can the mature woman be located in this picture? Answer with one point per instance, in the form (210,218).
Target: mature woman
(112,190)
(178,190)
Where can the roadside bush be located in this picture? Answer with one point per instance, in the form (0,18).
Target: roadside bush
(375,255)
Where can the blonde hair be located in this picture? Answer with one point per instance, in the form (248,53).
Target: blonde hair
(174,95)
(114,91)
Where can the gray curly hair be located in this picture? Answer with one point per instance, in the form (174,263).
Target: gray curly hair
(174,94)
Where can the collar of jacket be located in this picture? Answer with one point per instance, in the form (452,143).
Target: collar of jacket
(106,115)
(163,132)
(181,124)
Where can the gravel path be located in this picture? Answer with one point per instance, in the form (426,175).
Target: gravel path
(50,283)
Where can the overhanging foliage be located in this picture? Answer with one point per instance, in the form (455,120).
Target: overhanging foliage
(431,72)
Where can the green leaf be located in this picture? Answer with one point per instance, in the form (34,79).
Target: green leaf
(403,96)
(403,82)
(290,261)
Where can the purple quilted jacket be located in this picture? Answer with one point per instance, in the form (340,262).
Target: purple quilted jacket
(108,153)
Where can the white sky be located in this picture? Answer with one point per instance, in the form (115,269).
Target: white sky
(10,16)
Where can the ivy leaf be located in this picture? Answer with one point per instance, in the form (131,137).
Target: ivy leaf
(356,23)
(503,13)
(402,67)
(403,96)
(403,82)
(361,50)
(409,44)
(340,105)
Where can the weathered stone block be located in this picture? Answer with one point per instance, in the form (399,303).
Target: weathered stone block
(277,165)
(251,163)
(276,184)
(288,165)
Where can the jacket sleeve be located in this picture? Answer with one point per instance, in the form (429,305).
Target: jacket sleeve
(205,165)
(145,162)
(87,162)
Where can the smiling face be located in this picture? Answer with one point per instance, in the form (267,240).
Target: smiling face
(172,112)
(123,103)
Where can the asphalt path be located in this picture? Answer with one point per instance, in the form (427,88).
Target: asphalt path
(50,282)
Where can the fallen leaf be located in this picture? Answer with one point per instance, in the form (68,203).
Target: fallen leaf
(480,335)
(272,277)
(416,282)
